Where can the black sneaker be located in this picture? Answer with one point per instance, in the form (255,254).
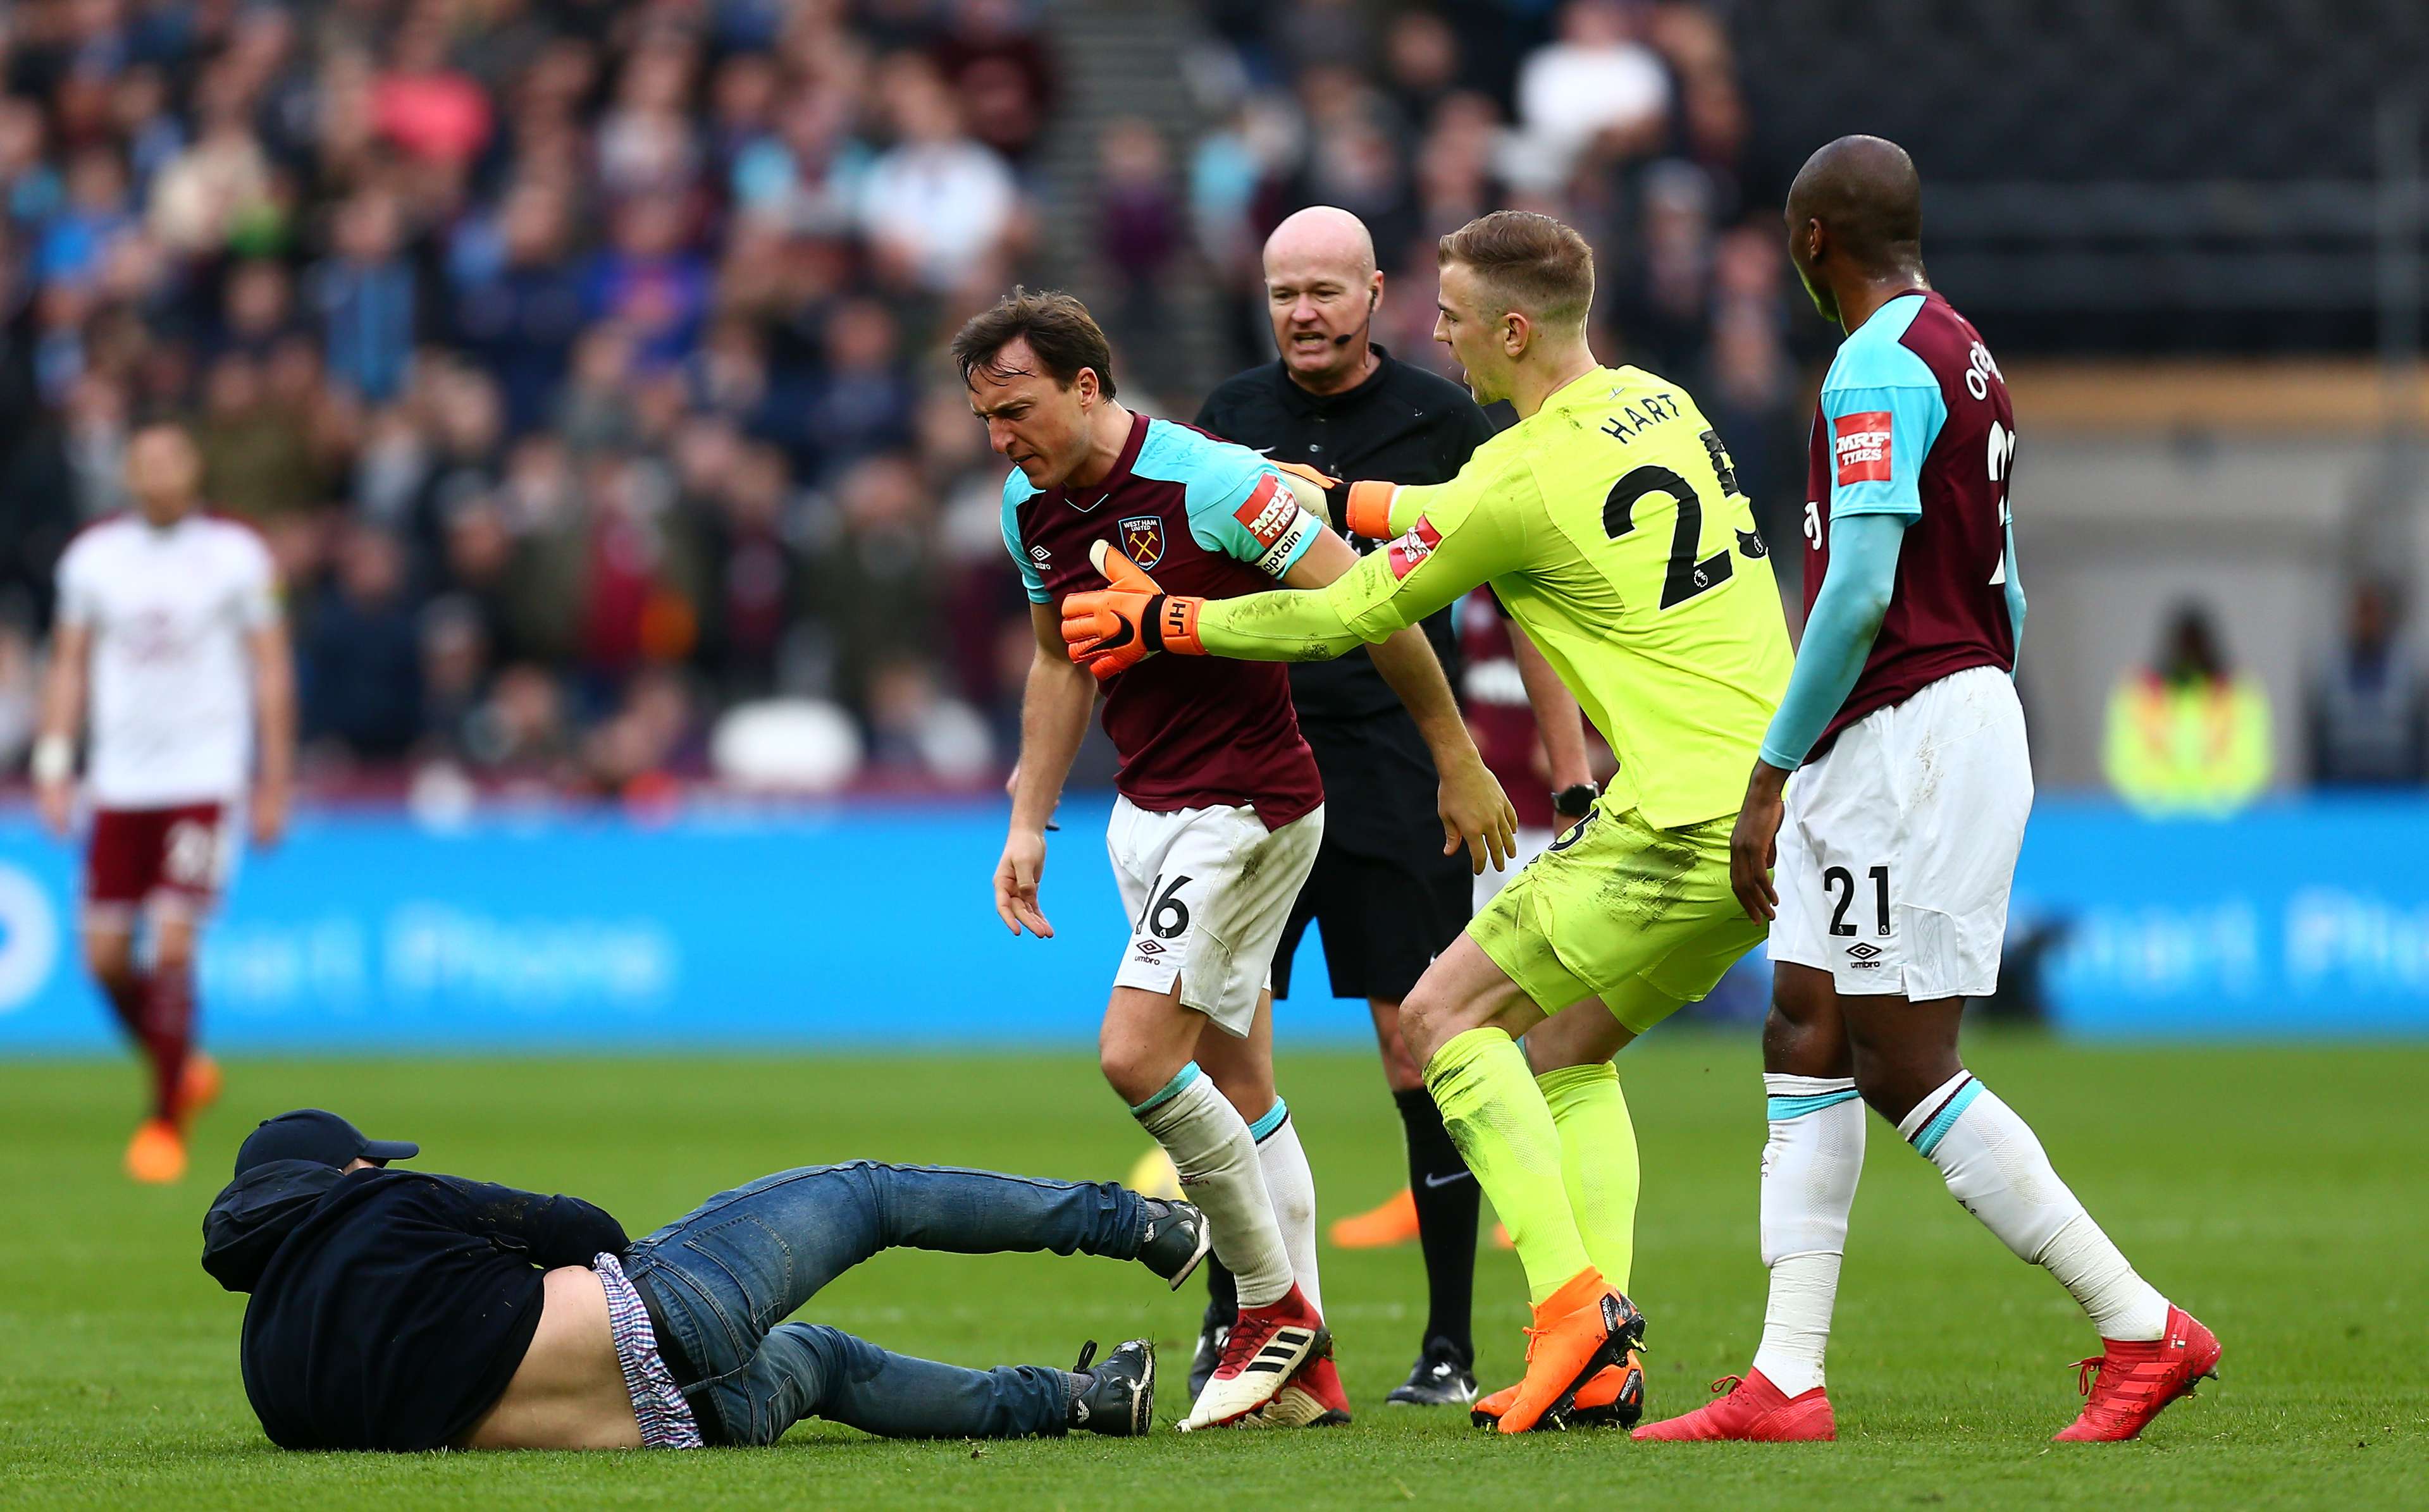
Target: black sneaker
(1175,1239)
(1212,1337)
(1117,1398)
(1444,1377)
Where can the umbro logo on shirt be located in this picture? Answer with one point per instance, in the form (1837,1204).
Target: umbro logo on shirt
(1040,555)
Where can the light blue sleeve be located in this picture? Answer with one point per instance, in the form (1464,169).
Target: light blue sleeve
(1016,492)
(1879,395)
(2015,603)
(1839,633)
(1271,536)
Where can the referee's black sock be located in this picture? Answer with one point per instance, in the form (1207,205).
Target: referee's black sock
(1222,1297)
(1447,1198)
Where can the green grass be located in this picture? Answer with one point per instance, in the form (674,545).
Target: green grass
(2279,1191)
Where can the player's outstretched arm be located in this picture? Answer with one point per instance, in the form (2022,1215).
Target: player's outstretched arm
(273,712)
(1053,719)
(54,763)
(1847,615)
(1474,810)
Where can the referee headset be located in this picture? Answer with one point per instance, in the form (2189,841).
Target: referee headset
(1374,298)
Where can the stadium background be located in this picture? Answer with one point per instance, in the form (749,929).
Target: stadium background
(582,361)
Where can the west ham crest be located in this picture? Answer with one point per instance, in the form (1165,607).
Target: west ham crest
(1143,539)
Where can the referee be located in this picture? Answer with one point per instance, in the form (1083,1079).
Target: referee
(1383,894)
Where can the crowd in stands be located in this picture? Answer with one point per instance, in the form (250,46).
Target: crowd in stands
(571,354)
(578,357)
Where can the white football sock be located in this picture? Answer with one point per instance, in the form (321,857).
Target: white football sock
(1292,1186)
(1997,1170)
(1810,1166)
(1210,1146)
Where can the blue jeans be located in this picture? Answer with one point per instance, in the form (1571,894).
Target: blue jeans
(730,1272)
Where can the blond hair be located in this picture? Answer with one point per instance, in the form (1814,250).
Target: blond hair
(1531,262)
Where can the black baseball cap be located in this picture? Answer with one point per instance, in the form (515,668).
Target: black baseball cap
(315,1134)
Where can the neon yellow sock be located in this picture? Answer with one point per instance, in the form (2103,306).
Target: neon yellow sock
(1598,1163)
(1497,1118)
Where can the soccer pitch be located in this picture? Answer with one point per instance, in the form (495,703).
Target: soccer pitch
(2278,1192)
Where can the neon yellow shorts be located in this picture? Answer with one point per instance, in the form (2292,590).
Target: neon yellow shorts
(1639,917)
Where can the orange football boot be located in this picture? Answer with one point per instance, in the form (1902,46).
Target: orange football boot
(2138,1378)
(1579,1330)
(1751,1409)
(1393,1223)
(198,1086)
(1613,1399)
(158,1153)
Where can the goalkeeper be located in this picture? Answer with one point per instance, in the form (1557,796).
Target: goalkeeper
(1610,524)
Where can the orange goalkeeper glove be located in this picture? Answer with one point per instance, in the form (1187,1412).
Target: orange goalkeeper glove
(1362,508)
(1117,627)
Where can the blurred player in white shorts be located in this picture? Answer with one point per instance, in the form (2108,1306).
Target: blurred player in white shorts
(1894,841)
(171,616)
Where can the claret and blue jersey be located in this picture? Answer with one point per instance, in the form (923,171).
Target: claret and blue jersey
(1209,520)
(1915,424)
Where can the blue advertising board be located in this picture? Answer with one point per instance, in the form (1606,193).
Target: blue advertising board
(874,924)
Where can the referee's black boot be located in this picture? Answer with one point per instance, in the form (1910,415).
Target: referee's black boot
(1444,1376)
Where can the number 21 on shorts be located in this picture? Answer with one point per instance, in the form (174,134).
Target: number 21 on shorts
(1841,882)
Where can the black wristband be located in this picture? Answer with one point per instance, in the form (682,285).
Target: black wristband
(1575,802)
(1151,623)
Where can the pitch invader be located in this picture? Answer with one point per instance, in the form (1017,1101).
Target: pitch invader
(172,619)
(1896,844)
(1610,523)
(1219,814)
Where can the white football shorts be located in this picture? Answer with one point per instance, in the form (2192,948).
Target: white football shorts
(1898,851)
(1208,891)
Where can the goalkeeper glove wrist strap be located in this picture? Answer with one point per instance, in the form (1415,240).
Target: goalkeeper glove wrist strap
(1170,624)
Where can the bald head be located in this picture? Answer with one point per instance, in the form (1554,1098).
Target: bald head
(1865,193)
(1855,226)
(1322,235)
(1321,290)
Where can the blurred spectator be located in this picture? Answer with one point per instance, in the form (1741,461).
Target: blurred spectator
(917,729)
(1000,71)
(863,402)
(366,297)
(519,306)
(2369,717)
(259,462)
(1598,90)
(362,655)
(2188,736)
(939,207)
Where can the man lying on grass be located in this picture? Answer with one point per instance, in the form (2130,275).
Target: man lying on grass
(399,1309)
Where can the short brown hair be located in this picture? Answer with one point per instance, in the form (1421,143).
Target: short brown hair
(1057,327)
(1535,263)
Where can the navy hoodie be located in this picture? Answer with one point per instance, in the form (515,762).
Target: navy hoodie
(389,1308)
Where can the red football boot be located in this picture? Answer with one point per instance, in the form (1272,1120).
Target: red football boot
(1264,1349)
(1753,1411)
(2138,1378)
(1311,1399)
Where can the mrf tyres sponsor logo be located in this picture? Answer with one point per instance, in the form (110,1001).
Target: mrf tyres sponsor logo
(1859,447)
(1272,516)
